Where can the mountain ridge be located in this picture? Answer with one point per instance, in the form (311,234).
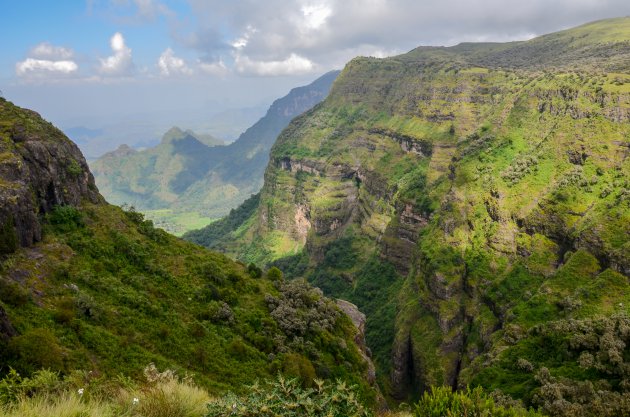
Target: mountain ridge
(186,180)
(472,201)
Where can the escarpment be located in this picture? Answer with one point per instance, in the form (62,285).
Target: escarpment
(39,169)
(464,199)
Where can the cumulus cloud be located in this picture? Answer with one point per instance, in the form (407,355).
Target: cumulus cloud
(51,52)
(47,61)
(327,33)
(43,67)
(120,63)
(169,64)
(292,65)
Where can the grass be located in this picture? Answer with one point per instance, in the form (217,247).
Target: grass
(177,222)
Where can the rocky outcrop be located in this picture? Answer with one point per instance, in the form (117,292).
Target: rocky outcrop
(39,169)
(410,144)
(291,165)
(359,320)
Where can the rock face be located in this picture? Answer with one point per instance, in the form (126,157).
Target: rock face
(39,169)
(496,193)
(358,319)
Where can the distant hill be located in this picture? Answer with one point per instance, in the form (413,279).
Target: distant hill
(183,183)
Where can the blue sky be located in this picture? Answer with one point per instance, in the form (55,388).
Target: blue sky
(99,62)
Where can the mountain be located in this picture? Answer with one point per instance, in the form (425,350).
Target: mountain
(86,286)
(474,202)
(184,184)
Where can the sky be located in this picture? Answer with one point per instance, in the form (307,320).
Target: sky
(98,62)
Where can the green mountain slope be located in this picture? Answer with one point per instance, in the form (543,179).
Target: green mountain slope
(86,285)
(473,201)
(183,184)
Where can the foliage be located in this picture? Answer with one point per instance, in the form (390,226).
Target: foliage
(8,237)
(212,235)
(46,394)
(301,310)
(119,293)
(443,402)
(285,397)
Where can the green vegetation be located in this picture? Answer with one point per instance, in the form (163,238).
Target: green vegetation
(443,401)
(469,200)
(116,293)
(212,235)
(102,291)
(285,397)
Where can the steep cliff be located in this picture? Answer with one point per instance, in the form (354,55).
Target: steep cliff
(39,168)
(467,199)
(87,286)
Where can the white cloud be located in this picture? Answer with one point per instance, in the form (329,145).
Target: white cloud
(315,15)
(32,67)
(292,65)
(47,61)
(169,64)
(214,68)
(50,52)
(242,42)
(328,33)
(120,63)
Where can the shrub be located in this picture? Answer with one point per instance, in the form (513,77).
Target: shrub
(442,401)
(254,271)
(274,274)
(297,366)
(65,218)
(285,397)
(8,237)
(13,293)
(302,310)
(37,349)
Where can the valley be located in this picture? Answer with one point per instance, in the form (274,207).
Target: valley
(443,232)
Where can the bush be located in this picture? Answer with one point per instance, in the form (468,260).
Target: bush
(13,293)
(65,218)
(36,349)
(285,397)
(442,401)
(297,366)
(8,237)
(274,274)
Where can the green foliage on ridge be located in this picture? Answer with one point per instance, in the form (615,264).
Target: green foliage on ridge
(494,178)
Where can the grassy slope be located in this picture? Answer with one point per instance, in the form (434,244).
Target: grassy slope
(105,291)
(527,167)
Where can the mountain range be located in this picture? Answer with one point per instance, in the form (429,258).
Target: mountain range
(184,183)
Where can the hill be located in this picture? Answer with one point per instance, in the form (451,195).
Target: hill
(183,184)
(87,286)
(473,201)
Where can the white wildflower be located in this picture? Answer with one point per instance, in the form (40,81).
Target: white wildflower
(80,391)
(135,401)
